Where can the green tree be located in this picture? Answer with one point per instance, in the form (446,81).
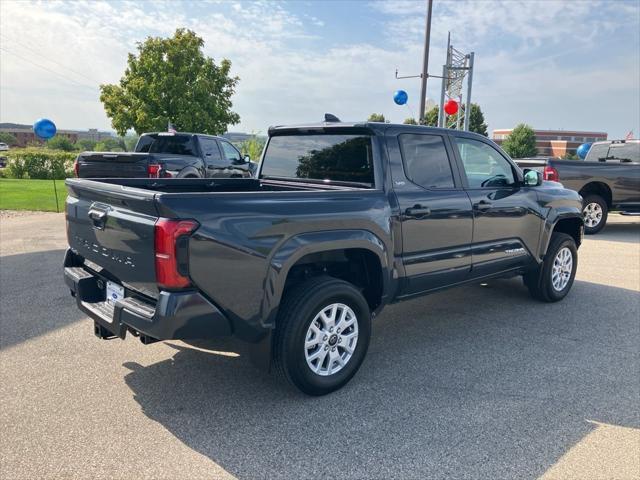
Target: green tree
(111,145)
(431,117)
(376,117)
(476,120)
(521,142)
(171,80)
(86,144)
(410,121)
(7,138)
(130,142)
(253,147)
(60,142)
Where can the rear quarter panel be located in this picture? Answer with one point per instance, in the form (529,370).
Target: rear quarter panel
(242,252)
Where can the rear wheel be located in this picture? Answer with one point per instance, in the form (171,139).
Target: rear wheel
(552,280)
(322,335)
(595,212)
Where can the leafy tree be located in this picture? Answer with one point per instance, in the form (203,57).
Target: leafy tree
(431,117)
(476,119)
(130,142)
(86,144)
(7,138)
(521,142)
(60,142)
(111,145)
(376,117)
(253,147)
(171,80)
(410,121)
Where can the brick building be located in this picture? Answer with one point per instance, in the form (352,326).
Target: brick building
(555,143)
(25,136)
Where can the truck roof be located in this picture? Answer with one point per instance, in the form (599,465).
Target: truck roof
(375,126)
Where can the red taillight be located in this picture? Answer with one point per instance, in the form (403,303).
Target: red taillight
(153,170)
(171,250)
(550,173)
(76,169)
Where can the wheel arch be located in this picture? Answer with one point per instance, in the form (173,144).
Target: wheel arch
(319,253)
(569,222)
(598,188)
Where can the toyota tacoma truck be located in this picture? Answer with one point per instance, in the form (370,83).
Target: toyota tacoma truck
(341,220)
(168,155)
(608,179)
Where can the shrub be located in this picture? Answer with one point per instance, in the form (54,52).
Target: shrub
(40,163)
(60,143)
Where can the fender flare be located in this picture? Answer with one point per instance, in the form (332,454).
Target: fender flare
(296,247)
(550,224)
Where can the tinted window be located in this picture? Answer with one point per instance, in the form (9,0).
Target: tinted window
(345,158)
(597,152)
(173,144)
(230,153)
(210,150)
(629,152)
(483,164)
(426,161)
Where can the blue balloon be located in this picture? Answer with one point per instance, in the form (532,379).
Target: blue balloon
(400,97)
(44,128)
(583,150)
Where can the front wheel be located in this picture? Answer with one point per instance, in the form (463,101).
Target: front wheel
(552,280)
(595,213)
(322,335)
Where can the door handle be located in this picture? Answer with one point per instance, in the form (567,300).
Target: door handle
(482,205)
(417,211)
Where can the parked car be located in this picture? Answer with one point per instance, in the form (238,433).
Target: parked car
(608,179)
(3,147)
(168,155)
(342,219)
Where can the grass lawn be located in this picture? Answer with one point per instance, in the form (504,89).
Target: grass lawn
(31,195)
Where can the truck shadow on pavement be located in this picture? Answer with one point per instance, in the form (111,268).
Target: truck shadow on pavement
(21,310)
(478,382)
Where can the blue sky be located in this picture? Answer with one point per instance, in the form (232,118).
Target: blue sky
(571,65)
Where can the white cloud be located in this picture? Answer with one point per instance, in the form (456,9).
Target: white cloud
(288,75)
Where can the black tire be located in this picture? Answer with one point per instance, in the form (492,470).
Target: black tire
(600,202)
(539,280)
(298,309)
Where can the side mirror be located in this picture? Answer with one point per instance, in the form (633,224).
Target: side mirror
(532,178)
(247,159)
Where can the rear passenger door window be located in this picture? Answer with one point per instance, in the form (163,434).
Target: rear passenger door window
(425,160)
(211,151)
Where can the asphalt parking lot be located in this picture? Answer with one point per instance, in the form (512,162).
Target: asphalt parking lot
(476,382)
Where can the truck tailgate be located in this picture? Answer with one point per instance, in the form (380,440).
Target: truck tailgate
(112,165)
(113,227)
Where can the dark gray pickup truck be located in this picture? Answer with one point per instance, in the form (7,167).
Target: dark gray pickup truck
(608,179)
(342,219)
(168,155)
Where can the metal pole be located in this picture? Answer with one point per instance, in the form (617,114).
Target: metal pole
(459,118)
(425,63)
(441,107)
(467,110)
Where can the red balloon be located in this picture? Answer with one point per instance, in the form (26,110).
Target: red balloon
(451,107)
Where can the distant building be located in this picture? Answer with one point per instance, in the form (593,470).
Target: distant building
(555,143)
(25,136)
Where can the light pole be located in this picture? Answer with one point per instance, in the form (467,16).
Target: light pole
(425,63)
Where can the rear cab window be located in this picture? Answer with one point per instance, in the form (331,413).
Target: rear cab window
(327,158)
(169,143)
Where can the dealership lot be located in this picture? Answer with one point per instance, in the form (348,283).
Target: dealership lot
(476,382)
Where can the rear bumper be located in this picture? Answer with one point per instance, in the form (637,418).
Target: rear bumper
(175,315)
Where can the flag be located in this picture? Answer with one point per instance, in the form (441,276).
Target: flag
(171,128)
(629,135)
